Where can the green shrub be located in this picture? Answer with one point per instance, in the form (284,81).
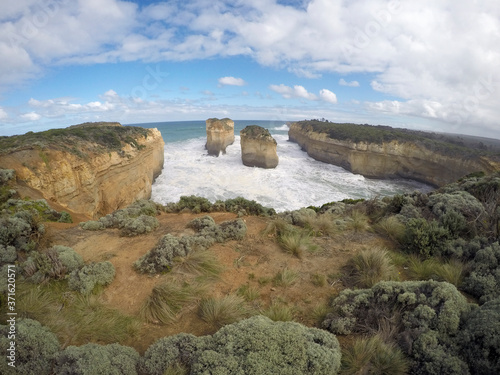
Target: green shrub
(6,175)
(139,225)
(368,267)
(90,359)
(8,254)
(92,225)
(480,339)
(65,218)
(35,347)
(242,205)
(424,238)
(68,257)
(88,277)
(20,231)
(194,203)
(372,355)
(260,346)
(54,263)
(167,352)
(422,316)
(484,279)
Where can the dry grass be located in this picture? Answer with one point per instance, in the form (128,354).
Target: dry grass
(297,243)
(218,312)
(358,222)
(368,267)
(198,263)
(279,312)
(248,293)
(321,225)
(392,228)
(285,278)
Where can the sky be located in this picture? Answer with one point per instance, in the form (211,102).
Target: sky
(428,65)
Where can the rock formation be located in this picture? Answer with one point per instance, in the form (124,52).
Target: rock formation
(258,147)
(89,179)
(220,134)
(391,159)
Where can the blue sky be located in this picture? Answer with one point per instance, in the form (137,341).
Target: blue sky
(422,65)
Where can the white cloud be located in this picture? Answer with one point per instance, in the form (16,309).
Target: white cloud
(296,91)
(343,82)
(31,116)
(328,96)
(231,81)
(3,114)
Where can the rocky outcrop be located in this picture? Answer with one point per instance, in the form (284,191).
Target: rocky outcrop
(87,179)
(258,147)
(393,159)
(220,134)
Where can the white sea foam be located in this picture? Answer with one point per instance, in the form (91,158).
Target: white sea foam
(298,181)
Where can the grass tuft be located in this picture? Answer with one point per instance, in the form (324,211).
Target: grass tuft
(279,312)
(392,228)
(368,267)
(248,293)
(358,222)
(198,263)
(218,312)
(285,278)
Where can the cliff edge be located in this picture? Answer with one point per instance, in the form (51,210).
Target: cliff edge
(92,169)
(383,152)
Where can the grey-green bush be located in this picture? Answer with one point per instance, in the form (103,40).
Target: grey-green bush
(139,225)
(68,257)
(259,346)
(92,359)
(92,225)
(89,276)
(480,339)
(424,237)
(6,175)
(8,254)
(35,348)
(484,279)
(423,316)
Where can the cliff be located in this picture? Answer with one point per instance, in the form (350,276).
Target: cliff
(220,134)
(258,147)
(92,170)
(393,155)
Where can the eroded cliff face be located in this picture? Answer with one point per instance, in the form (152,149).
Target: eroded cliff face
(94,184)
(258,147)
(220,134)
(389,159)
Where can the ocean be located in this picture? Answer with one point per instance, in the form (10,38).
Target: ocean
(298,181)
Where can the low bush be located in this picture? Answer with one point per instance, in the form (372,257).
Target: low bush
(54,263)
(35,348)
(113,359)
(480,338)
(92,225)
(139,225)
(194,203)
(368,267)
(8,254)
(91,275)
(244,206)
(260,346)
(6,175)
(371,355)
(425,238)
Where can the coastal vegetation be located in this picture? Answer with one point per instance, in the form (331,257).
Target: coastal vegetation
(401,284)
(447,144)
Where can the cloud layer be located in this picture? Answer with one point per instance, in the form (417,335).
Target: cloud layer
(439,60)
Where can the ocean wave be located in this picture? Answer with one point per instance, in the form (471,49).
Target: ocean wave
(283,127)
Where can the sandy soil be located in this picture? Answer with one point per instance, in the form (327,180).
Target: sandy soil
(254,259)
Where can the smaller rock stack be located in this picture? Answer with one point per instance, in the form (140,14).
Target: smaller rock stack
(220,134)
(258,147)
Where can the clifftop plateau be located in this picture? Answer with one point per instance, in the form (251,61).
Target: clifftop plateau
(384,152)
(93,168)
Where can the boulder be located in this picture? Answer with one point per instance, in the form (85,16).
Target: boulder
(220,134)
(258,147)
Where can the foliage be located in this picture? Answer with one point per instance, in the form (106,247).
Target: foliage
(8,254)
(371,355)
(483,281)
(278,312)
(35,347)
(54,263)
(6,175)
(425,238)
(285,277)
(248,293)
(199,263)
(368,267)
(95,137)
(392,228)
(161,257)
(194,203)
(247,207)
(90,359)
(139,225)
(20,230)
(480,338)
(91,275)
(422,316)
(260,346)
(218,312)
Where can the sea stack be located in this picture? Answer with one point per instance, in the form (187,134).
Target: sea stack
(258,147)
(220,134)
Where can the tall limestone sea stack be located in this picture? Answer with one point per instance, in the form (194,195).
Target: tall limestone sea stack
(220,134)
(258,147)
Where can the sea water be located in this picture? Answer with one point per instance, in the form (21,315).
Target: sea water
(298,180)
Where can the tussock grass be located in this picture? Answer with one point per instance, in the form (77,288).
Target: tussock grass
(319,312)
(358,222)
(422,269)
(198,263)
(248,293)
(285,278)
(218,312)
(392,228)
(277,227)
(167,300)
(74,318)
(373,356)
(368,267)
(279,312)
(318,279)
(296,243)
(321,225)
(452,271)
